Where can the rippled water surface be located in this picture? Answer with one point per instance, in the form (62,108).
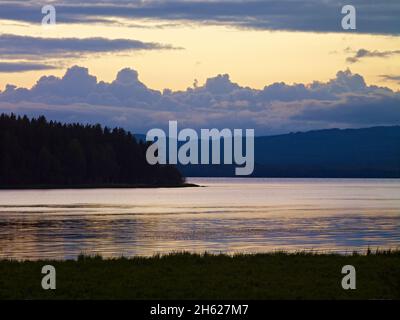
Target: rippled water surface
(226,215)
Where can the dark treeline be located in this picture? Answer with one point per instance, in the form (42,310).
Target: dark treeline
(40,152)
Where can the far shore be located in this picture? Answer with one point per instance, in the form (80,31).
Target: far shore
(98,186)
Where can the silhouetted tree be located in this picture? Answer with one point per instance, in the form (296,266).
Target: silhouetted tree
(38,152)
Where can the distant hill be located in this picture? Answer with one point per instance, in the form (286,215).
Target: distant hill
(346,153)
(41,153)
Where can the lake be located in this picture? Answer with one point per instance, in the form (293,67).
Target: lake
(229,215)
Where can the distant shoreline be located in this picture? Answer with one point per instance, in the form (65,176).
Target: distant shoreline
(294,177)
(98,186)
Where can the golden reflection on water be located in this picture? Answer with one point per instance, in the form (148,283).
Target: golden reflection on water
(228,215)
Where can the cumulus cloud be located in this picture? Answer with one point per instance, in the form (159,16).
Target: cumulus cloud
(363,53)
(27,47)
(344,101)
(299,15)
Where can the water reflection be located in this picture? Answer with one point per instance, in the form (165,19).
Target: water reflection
(227,216)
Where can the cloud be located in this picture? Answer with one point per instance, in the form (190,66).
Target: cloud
(14,67)
(344,101)
(363,110)
(295,15)
(27,47)
(363,53)
(387,77)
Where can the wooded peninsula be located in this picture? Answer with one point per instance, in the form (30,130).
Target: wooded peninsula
(36,153)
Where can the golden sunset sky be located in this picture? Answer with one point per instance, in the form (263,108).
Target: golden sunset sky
(253,58)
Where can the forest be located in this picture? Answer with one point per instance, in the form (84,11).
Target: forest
(38,152)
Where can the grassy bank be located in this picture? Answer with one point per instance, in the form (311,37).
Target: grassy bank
(187,276)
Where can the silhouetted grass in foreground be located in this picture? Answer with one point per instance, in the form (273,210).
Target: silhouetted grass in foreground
(277,275)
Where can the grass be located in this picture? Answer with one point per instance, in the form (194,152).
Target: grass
(276,275)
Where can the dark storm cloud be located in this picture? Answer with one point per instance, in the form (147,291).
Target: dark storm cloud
(297,15)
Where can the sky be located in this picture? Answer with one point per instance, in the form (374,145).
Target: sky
(275,66)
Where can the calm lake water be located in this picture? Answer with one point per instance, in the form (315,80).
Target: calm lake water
(227,215)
